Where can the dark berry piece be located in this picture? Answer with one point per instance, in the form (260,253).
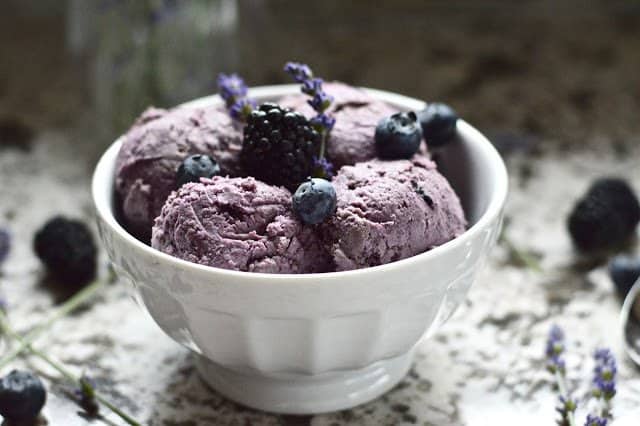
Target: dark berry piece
(624,272)
(5,244)
(195,167)
(438,123)
(398,136)
(279,146)
(22,396)
(67,249)
(314,201)
(605,217)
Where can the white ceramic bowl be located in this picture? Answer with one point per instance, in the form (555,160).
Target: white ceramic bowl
(313,342)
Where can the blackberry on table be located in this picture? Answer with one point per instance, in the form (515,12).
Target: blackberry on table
(279,146)
(68,250)
(605,217)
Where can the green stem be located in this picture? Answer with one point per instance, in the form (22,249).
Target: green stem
(6,328)
(69,306)
(524,257)
(562,388)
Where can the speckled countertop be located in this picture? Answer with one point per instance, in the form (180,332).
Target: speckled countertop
(560,101)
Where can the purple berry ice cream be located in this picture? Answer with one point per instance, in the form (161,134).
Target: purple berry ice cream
(240,224)
(390,210)
(155,146)
(373,212)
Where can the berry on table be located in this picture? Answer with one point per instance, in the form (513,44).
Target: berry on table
(67,249)
(438,123)
(605,217)
(624,272)
(279,146)
(398,136)
(314,201)
(195,167)
(22,396)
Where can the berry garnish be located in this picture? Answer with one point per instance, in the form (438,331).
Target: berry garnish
(195,167)
(314,201)
(438,123)
(398,136)
(67,248)
(605,217)
(279,146)
(624,272)
(5,244)
(22,396)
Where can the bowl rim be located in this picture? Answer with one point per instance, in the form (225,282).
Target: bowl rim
(102,178)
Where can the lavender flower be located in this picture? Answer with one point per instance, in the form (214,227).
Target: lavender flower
(320,101)
(604,374)
(554,350)
(299,72)
(323,121)
(566,409)
(86,396)
(595,421)
(234,92)
(5,244)
(322,168)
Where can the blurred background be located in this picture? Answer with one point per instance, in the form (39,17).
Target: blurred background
(531,74)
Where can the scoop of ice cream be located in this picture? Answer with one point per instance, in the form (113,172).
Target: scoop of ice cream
(155,146)
(390,210)
(240,224)
(357,114)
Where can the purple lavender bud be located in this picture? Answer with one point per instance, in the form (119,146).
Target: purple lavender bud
(311,86)
(604,374)
(231,87)
(323,167)
(241,108)
(595,421)
(300,72)
(323,122)
(5,244)
(320,101)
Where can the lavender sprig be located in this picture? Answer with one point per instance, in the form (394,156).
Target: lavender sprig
(604,379)
(320,101)
(556,365)
(595,421)
(234,92)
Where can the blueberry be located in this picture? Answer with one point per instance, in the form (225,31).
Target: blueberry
(22,396)
(438,123)
(314,201)
(624,272)
(195,167)
(398,136)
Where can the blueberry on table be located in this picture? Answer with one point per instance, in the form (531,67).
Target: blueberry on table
(195,167)
(22,396)
(438,123)
(398,136)
(67,249)
(624,272)
(314,201)
(605,217)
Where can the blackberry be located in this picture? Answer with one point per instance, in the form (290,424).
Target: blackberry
(279,146)
(605,217)
(22,396)
(67,248)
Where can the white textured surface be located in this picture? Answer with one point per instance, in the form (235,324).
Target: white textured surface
(483,367)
